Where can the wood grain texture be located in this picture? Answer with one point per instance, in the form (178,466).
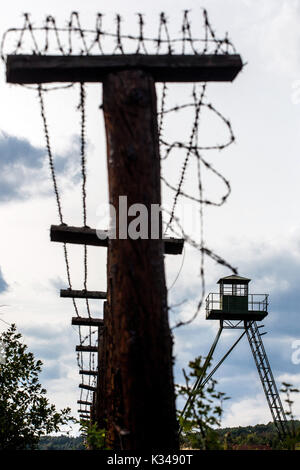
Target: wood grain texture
(86,349)
(82,294)
(87,321)
(88,236)
(87,387)
(163,68)
(140,381)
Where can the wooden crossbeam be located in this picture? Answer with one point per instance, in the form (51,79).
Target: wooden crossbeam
(88,236)
(84,411)
(87,387)
(163,68)
(87,321)
(88,372)
(86,349)
(82,294)
(82,402)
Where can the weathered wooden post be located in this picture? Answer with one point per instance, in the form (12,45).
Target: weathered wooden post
(139,395)
(137,296)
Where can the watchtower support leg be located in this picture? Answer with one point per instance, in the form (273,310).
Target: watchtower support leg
(204,369)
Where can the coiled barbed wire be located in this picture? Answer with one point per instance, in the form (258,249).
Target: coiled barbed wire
(73,39)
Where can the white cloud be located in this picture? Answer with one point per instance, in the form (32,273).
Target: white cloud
(254,410)
(280,38)
(247,412)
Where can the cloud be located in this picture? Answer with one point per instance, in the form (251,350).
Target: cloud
(58,283)
(14,150)
(247,412)
(3,283)
(280,36)
(24,168)
(50,342)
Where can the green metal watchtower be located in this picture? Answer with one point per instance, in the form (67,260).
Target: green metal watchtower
(234,302)
(237,309)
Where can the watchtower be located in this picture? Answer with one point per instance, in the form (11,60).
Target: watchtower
(237,309)
(234,302)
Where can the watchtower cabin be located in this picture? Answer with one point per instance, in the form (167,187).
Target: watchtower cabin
(234,302)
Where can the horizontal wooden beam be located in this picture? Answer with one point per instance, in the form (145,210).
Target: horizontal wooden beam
(84,411)
(83,294)
(87,321)
(82,402)
(88,372)
(88,236)
(163,68)
(173,246)
(86,349)
(78,235)
(88,387)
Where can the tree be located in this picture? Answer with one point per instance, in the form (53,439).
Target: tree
(294,437)
(204,411)
(25,411)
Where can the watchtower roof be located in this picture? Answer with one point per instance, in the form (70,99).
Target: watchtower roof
(233,279)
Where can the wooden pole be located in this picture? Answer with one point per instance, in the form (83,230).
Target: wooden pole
(142,377)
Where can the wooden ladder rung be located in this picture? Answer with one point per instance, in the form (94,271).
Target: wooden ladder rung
(86,349)
(87,321)
(82,294)
(88,387)
(88,372)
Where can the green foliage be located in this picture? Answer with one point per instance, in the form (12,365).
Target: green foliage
(94,437)
(25,412)
(200,424)
(61,443)
(261,436)
(204,411)
(291,441)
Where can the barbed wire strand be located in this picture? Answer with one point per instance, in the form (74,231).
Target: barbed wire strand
(75,34)
(80,360)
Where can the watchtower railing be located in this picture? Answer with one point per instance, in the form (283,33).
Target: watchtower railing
(256,302)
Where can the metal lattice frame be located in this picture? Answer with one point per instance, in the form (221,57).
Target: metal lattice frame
(262,365)
(267,378)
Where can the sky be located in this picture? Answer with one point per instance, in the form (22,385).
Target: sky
(257,230)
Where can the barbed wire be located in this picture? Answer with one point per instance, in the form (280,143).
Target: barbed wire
(73,39)
(81,107)
(192,150)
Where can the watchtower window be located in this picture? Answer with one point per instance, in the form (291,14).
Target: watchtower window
(240,289)
(234,289)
